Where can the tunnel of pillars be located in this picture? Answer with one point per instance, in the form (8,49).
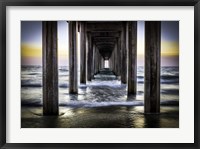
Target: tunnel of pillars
(113,42)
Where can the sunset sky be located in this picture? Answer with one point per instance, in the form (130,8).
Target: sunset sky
(31,43)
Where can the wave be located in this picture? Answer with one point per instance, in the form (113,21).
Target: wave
(101,104)
(63,85)
(163,82)
(36,73)
(98,85)
(80,104)
(140,77)
(31,85)
(167,77)
(169,81)
(163,77)
(40,85)
(170,91)
(63,69)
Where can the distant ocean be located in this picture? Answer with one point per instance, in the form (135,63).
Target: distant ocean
(98,93)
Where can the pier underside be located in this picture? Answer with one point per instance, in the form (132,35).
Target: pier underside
(100,41)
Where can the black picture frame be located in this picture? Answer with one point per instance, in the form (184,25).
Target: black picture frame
(5,3)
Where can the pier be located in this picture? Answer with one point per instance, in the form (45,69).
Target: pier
(114,42)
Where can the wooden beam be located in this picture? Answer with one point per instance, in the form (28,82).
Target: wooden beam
(83,53)
(124,53)
(105,34)
(50,68)
(119,56)
(73,84)
(89,57)
(152,66)
(132,58)
(104,26)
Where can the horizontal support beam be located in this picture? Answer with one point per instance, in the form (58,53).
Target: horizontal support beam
(104,39)
(106,47)
(106,34)
(103,43)
(104,26)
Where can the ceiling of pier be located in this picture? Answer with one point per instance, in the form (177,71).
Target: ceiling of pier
(105,35)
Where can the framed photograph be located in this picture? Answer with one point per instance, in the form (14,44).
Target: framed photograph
(99,74)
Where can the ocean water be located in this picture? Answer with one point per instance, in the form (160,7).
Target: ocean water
(103,91)
(101,103)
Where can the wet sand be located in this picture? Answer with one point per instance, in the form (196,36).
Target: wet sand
(101,117)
